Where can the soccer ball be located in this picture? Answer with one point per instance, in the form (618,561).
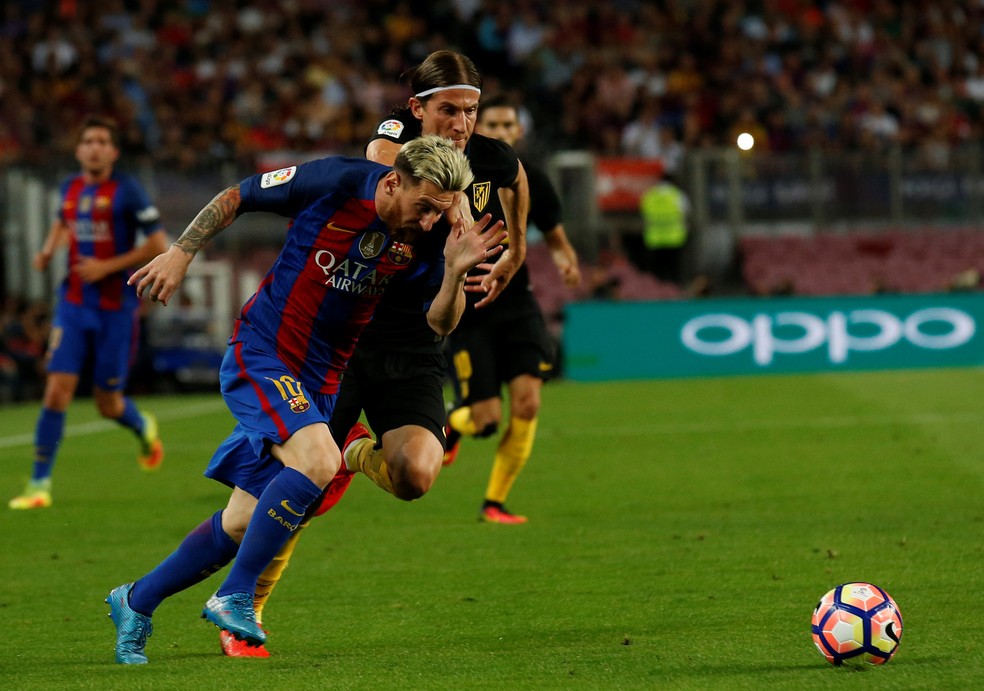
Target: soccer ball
(857,622)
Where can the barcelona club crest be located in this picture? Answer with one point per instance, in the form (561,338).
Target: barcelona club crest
(480,194)
(400,253)
(299,403)
(371,244)
(290,391)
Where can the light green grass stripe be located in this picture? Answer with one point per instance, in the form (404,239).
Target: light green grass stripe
(725,426)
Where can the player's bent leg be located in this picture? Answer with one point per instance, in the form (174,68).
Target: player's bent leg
(514,449)
(113,405)
(360,455)
(48,432)
(311,459)
(234,647)
(273,572)
(414,457)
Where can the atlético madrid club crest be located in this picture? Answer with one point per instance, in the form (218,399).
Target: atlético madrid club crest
(371,244)
(400,253)
(480,194)
(299,403)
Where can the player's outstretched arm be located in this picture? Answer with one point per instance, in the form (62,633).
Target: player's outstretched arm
(464,250)
(161,277)
(58,235)
(563,255)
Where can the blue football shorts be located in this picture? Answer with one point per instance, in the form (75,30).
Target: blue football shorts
(269,405)
(109,337)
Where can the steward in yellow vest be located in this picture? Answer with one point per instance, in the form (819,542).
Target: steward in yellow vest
(664,216)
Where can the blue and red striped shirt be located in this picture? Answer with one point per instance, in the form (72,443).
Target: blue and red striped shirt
(337,260)
(103,219)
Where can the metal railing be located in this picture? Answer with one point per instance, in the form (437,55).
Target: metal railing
(732,194)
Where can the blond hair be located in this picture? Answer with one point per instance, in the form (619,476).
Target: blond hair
(437,160)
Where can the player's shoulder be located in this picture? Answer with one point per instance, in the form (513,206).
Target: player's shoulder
(535,173)
(125,179)
(70,180)
(329,172)
(399,126)
(491,151)
(128,185)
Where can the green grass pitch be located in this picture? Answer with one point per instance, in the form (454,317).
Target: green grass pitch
(680,534)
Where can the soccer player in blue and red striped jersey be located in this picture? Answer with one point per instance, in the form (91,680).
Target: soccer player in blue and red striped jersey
(101,213)
(356,232)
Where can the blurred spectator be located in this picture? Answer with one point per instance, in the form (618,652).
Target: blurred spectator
(24,328)
(209,81)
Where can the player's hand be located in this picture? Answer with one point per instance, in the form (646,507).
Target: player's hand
(91,269)
(493,282)
(160,278)
(570,273)
(41,260)
(466,249)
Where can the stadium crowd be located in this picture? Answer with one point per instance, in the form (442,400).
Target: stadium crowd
(200,82)
(197,84)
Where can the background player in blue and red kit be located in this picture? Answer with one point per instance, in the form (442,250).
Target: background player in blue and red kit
(101,213)
(354,231)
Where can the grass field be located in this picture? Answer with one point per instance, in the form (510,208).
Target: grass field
(680,534)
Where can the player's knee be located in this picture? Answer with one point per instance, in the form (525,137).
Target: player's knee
(413,477)
(57,398)
(526,408)
(410,487)
(317,466)
(525,401)
(322,469)
(109,408)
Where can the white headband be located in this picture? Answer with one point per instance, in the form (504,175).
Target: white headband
(428,92)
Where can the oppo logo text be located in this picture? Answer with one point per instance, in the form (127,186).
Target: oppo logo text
(863,330)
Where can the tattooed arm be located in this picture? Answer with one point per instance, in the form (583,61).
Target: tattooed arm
(161,277)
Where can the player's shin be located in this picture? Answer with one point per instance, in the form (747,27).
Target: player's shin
(510,457)
(205,550)
(372,463)
(279,511)
(272,573)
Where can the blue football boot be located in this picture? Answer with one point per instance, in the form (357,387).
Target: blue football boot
(132,628)
(234,613)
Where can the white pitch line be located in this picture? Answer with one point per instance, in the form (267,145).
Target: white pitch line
(708,427)
(96,426)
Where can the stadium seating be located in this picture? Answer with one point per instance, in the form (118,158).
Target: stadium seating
(893,261)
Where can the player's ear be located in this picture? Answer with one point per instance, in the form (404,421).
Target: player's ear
(391,182)
(416,107)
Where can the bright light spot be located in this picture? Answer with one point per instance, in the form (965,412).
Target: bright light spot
(745,141)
